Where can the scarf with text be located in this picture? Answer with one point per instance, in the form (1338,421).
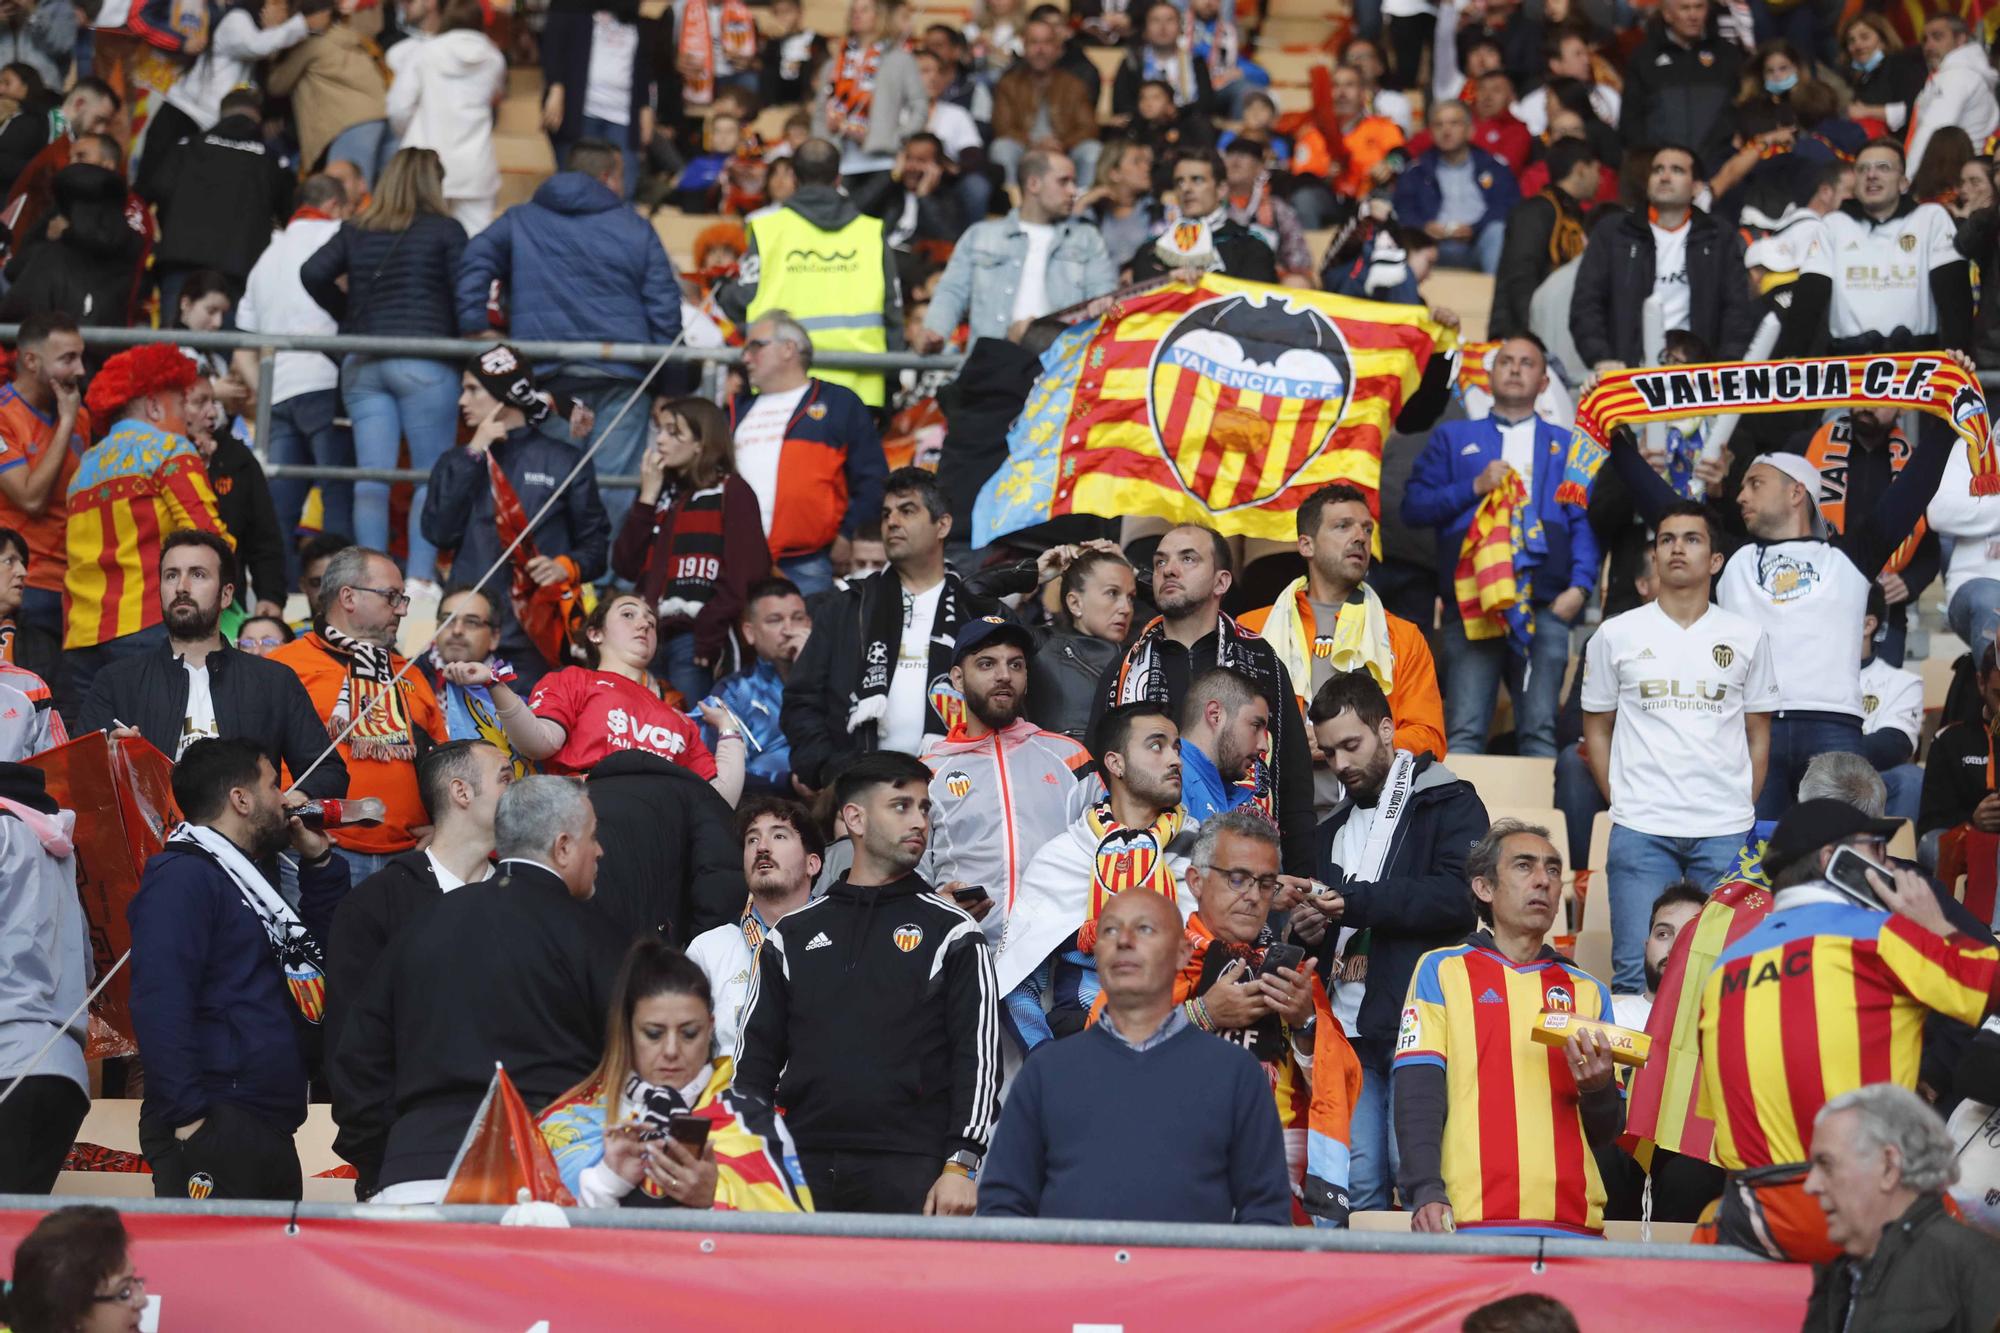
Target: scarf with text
(853,93)
(1566,236)
(1502,547)
(297,952)
(368,692)
(551,614)
(1927,382)
(739,45)
(1832,447)
(891,612)
(1140,676)
(1130,858)
(684,570)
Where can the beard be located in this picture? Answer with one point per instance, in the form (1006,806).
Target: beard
(188,620)
(1180,603)
(1655,973)
(994,716)
(272,833)
(1368,787)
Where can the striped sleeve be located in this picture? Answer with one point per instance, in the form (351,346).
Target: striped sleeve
(1955,975)
(1423,1036)
(186,491)
(972,1020)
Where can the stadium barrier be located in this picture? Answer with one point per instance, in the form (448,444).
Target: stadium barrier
(338,1267)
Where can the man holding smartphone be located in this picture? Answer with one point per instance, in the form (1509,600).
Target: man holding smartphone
(1827,993)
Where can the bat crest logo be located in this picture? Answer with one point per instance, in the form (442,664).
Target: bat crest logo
(200,1185)
(1966,404)
(958,783)
(1125,859)
(1723,654)
(1244,392)
(908,936)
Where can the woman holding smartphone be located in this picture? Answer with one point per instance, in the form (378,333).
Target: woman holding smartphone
(655,1125)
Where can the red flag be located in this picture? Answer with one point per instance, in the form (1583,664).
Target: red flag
(503,1154)
(550,614)
(122,792)
(1964,850)
(1667,1087)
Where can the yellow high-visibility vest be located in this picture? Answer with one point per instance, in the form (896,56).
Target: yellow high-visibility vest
(829,281)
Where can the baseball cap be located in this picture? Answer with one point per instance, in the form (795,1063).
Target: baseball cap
(1800,469)
(974,634)
(1811,825)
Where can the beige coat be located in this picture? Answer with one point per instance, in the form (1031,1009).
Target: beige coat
(334,84)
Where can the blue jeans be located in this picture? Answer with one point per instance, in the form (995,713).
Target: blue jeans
(809,573)
(1636,868)
(623,445)
(675,661)
(81,665)
(1473,672)
(390,400)
(618,136)
(362,145)
(1906,787)
(1371,1133)
(1974,613)
(1482,252)
(1579,799)
(1795,739)
(360,865)
(303,431)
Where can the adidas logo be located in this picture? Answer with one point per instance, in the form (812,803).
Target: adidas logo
(819,941)
(1645,655)
(1490,997)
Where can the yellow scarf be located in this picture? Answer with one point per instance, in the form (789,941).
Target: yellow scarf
(1360,637)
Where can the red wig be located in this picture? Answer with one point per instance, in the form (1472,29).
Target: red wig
(135,373)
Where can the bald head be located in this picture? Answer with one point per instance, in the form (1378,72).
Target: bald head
(1140,946)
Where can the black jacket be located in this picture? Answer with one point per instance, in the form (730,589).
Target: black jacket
(821,690)
(1930,1273)
(1979,241)
(243,500)
(672,863)
(399,283)
(1616,277)
(1243,253)
(1682,95)
(92,270)
(1423,900)
(364,923)
(1954,777)
(1525,261)
(1062,682)
(254,700)
(511,970)
(1131,77)
(1899,78)
(884,1037)
(219,196)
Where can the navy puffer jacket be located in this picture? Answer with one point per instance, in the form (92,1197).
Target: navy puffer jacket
(399,283)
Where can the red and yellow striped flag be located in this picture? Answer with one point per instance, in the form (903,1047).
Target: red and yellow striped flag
(1485,581)
(1663,1102)
(1224,403)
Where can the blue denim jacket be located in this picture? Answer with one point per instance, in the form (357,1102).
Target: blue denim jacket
(985,273)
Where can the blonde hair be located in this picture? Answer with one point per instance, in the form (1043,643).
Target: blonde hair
(412,183)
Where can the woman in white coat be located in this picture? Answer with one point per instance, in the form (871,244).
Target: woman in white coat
(443,98)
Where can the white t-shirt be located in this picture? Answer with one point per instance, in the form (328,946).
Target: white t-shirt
(608,93)
(954,127)
(1670,275)
(1031,298)
(1808,597)
(1680,756)
(1348,846)
(1517,449)
(1632,1011)
(1891,698)
(198,723)
(909,689)
(1882,271)
(446,881)
(1969,524)
(760,441)
(725,959)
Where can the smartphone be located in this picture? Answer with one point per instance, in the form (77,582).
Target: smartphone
(690,1131)
(971,893)
(1848,872)
(1287,956)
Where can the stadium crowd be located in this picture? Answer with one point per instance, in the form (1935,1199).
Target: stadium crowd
(790,849)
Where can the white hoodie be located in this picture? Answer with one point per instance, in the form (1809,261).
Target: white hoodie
(1960,93)
(443,99)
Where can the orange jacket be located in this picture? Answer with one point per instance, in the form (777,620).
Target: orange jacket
(1414,700)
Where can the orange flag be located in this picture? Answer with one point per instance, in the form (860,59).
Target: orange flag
(503,1154)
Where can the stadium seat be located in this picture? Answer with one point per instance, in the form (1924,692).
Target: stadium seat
(1505,779)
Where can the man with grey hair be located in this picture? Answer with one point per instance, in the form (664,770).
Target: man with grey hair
(515,970)
(1005,273)
(353,674)
(1881,1161)
(809,449)
(1840,776)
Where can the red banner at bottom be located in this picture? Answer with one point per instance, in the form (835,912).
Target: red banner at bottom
(234,1272)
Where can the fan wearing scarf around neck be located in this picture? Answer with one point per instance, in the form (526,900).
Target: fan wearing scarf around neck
(660,1066)
(484,495)
(228,1001)
(581,714)
(1138,837)
(468,631)
(1191,575)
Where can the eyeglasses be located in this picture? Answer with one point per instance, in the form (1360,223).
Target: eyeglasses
(757,345)
(397,599)
(473,622)
(246,643)
(133,1286)
(1242,881)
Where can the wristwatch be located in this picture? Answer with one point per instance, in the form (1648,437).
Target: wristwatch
(965,1160)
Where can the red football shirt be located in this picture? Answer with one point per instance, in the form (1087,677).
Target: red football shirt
(602,712)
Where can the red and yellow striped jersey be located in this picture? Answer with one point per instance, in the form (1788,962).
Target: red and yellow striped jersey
(1816,1001)
(1515,1156)
(133,488)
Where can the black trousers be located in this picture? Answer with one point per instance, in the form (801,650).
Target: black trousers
(37,1125)
(234,1155)
(869,1182)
